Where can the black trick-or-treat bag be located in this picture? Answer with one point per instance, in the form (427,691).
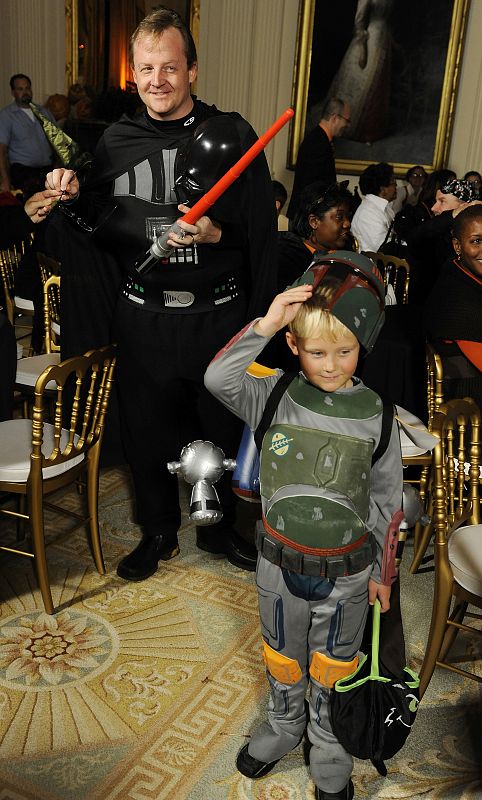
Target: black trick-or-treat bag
(372,711)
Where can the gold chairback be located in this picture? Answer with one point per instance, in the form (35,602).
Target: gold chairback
(52,313)
(80,405)
(395,271)
(435,396)
(9,261)
(455,503)
(48,266)
(456,467)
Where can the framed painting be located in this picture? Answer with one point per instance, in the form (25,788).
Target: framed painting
(395,62)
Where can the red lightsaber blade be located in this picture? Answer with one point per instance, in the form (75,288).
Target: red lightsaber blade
(159,248)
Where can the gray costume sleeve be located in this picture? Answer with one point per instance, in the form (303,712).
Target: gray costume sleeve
(226,376)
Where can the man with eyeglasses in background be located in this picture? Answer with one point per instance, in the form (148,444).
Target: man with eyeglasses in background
(316,159)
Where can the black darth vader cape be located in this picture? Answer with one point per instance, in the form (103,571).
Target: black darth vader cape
(94,265)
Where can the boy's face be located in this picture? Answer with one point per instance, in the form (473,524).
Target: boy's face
(327,365)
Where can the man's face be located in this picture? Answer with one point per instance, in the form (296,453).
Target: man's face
(22,91)
(341,121)
(445,202)
(469,247)
(162,76)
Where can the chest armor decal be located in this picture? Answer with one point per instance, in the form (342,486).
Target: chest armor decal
(315,485)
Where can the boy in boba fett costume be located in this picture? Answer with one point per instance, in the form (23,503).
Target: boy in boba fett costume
(328,497)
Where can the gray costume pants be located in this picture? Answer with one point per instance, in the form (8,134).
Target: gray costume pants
(300,616)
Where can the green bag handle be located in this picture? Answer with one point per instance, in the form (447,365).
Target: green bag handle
(375,668)
(345,684)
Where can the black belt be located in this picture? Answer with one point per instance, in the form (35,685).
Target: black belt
(315,566)
(221,290)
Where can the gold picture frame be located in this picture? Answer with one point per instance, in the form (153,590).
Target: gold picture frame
(317,43)
(71,43)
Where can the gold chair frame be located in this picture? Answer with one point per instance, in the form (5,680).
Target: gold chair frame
(93,373)
(48,265)
(455,502)
(435,398)
(9,261)
(52,313)
(395,271)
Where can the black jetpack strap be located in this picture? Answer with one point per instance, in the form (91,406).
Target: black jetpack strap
(272,403)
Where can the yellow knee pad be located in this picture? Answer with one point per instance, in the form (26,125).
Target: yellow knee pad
(328,671)
(281,668)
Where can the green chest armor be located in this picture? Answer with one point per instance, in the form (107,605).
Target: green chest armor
(315,486)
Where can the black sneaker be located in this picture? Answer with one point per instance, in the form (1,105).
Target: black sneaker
(250,767)
(344,794)
(144,559)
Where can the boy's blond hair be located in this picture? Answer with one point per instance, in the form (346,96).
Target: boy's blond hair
(314,319)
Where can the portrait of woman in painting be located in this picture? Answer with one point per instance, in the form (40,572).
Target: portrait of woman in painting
(363,78)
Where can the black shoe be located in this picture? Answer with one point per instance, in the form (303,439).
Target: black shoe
(251,767)
(241,553)
(211,540)
(344,794)
(225,541)
(143,561)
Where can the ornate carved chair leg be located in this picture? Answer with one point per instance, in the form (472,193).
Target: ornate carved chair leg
(38,544)
(93,505)
(440,610)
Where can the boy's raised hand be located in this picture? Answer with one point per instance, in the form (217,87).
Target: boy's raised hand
(283,309)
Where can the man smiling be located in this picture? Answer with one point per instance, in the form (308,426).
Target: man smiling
(224,266)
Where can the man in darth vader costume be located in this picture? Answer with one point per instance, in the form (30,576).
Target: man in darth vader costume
(170,322)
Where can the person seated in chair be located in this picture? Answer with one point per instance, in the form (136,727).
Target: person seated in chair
(452,313)
(430,244)
(373,218)
(322,223)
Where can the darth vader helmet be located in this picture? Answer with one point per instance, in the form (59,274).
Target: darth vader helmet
(214,147)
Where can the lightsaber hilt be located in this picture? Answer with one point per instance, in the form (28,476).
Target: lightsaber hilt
(159,248)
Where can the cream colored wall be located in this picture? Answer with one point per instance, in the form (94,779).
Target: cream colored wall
(32,41)
(246,57)
(466,144)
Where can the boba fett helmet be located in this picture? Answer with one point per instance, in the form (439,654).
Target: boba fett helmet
(358,299)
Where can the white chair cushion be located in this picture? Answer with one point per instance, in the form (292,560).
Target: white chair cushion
(415,438)
(465,556)
(28,369)
(22,304)
(16,446)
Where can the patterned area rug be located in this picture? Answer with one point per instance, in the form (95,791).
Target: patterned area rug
(147,691)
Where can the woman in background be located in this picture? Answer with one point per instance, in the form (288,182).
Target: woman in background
(322,223)
(452,313)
